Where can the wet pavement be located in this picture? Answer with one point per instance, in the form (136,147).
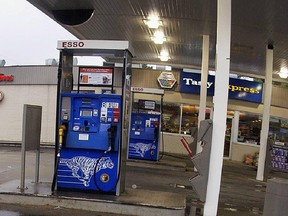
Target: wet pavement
(18,210)
(240,193)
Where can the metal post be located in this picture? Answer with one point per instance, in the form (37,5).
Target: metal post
(23,160)
(181,116)
(59,78)
(204,77)
(266,113)
(160,130)
(220,106)
(235,128)
(31,125)
(211,112)
(23,150)
(37,165)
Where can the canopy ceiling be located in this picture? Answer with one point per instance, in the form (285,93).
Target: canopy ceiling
(254,25)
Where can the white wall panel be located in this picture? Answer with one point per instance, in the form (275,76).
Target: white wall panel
(11,110)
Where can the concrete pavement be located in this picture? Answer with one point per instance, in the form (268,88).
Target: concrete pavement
(152,188)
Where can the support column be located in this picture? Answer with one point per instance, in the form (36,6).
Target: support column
(220,105)
(204,77)
(235,126)
(266,113)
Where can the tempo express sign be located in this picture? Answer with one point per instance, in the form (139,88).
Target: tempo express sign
(238,89)
(6,78)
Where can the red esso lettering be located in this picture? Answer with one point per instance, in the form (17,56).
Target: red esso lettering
(71,44)
(64,44)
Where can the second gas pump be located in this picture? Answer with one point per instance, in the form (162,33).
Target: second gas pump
(145,125)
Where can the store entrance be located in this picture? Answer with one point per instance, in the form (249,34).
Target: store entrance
(228,136)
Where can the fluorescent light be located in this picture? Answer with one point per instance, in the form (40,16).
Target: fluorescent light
(158,37)
(283,74)
(164,58)
(153,22)
(164,55)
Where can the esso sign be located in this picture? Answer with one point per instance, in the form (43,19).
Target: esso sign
(137,89)
(72,44)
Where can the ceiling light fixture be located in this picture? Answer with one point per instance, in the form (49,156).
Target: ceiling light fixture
(153,22)
(158,37)
(164,55)
(283,73)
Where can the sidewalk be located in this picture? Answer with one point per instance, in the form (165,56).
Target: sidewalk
(160,188)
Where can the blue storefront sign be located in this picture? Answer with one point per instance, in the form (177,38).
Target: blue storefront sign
(238,89)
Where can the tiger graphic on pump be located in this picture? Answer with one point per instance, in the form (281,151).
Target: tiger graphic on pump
(83,167)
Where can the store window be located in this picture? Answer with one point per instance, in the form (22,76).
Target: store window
(278,130)
(171,118)
(249,128)
(190,117)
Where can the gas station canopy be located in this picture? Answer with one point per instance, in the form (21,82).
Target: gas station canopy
(254,25)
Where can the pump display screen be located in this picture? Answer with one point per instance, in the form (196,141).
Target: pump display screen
(86,113)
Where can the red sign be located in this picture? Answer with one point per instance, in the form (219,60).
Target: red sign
(6,78)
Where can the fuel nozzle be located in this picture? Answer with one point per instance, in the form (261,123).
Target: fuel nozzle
(156,131)
(62,128)
(111,136)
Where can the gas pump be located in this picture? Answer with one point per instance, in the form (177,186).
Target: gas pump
(145,127)
(92,127)
(89,156)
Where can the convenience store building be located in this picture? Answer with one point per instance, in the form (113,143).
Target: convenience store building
(37,85)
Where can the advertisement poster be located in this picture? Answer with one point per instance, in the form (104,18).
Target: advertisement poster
(95,76)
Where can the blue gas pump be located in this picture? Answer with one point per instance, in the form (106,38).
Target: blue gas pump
(145,127)
(144,136)
(91,128)
(89,156)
